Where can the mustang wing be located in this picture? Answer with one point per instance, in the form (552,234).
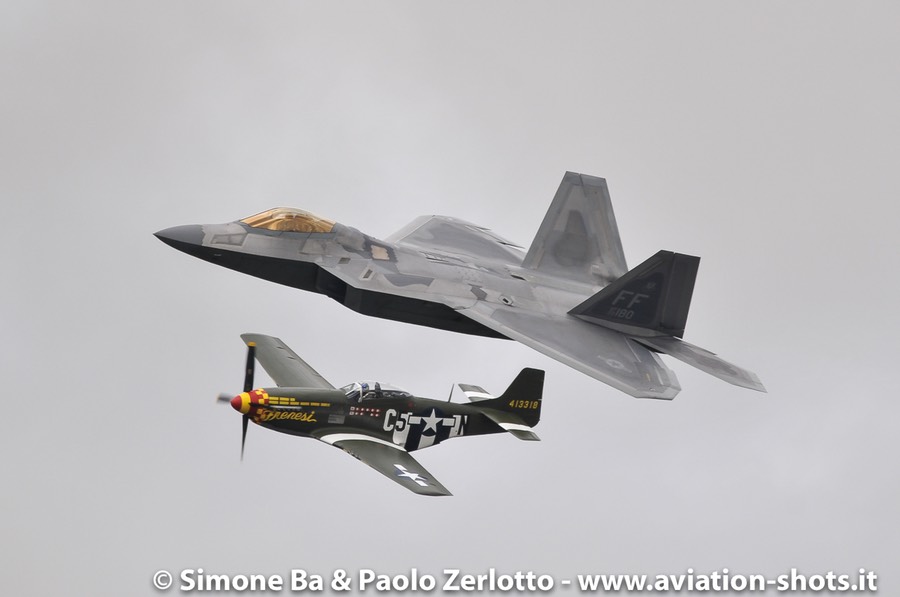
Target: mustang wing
(604,354)
(388,459)
(450,235)
(283,365)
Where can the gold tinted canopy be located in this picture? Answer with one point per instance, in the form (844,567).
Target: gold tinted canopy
(288,219)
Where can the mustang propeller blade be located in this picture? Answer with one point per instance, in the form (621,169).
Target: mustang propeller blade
(248,385)
(251,363)
(244,421)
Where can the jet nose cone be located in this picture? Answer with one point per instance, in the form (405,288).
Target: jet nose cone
(237,403)
(181,236)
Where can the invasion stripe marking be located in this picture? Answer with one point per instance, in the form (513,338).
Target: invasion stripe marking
(515,427)
(482,395)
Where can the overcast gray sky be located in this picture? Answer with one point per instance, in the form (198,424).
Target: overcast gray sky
(763,137)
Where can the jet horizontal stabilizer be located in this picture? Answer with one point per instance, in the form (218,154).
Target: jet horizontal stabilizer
(704,360)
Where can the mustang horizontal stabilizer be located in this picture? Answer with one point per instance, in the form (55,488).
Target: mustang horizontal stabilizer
(283,365)
(579,237)
(652,298)
(475,393)
(518,409)
(705,361)
(389,460)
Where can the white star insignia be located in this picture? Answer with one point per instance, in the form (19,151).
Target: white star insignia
(419,479)
(431,421)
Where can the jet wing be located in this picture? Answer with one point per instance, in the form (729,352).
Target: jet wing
(442,234)
(604,354)
(388,459)
(283,365)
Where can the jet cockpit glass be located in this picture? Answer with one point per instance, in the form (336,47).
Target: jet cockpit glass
(372,390)
(288,219)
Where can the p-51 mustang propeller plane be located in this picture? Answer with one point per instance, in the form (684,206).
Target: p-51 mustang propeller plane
(377,423)
(570,296)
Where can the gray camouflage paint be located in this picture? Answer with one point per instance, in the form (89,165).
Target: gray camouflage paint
(450,274)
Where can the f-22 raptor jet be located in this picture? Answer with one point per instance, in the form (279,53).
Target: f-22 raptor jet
(570,295)
(377,423)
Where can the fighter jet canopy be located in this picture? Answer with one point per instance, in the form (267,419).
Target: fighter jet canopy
(288,219)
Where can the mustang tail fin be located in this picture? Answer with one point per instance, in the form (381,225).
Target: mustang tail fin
(649,300)
(518,409)
(579,238)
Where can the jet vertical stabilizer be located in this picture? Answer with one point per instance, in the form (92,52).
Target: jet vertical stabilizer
(579,238)
(649,300)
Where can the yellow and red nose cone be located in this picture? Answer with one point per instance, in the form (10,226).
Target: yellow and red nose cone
(243,402)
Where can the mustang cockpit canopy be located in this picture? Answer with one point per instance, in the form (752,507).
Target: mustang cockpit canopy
(289,219)
(372,390)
